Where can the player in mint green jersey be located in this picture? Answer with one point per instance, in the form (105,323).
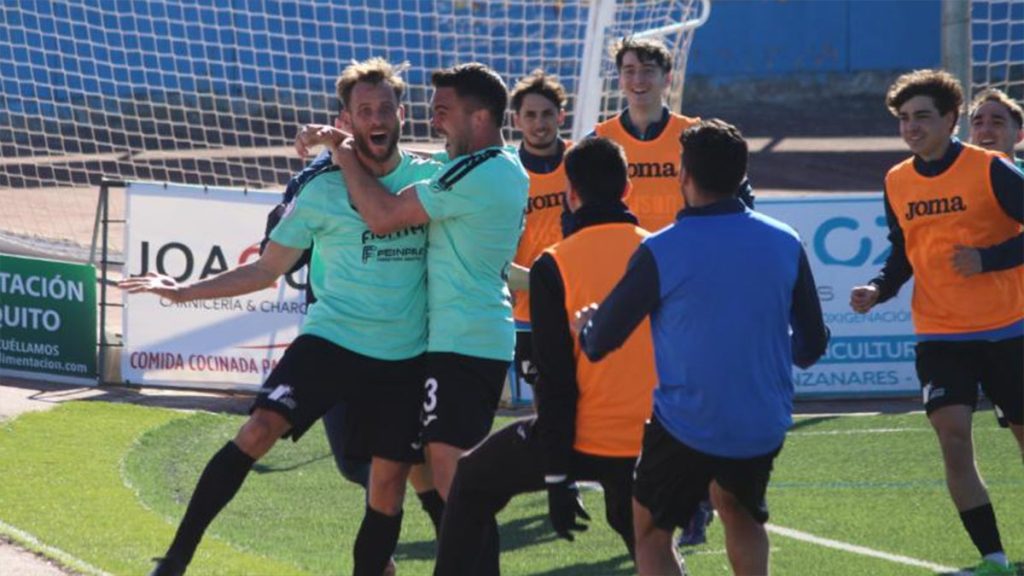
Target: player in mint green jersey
(363,341)
(474,206)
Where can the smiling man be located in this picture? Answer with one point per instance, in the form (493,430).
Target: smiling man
(538,110)
(955,215)
(372,361)
(474,209)
(997,123)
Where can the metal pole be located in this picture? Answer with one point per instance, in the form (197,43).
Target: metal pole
(956,49)
(104,207)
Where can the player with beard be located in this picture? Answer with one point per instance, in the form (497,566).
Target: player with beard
(475,208)
(538,109)
(373,361)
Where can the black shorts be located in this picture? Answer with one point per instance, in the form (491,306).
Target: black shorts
(460,397)
(523,366)
(672,478)
(384,396)
(950,373)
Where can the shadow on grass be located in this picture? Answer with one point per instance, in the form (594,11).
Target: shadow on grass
(261,468)
(519,533)
(805,422)
(620,565)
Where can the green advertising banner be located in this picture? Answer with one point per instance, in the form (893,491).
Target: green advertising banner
(47,319)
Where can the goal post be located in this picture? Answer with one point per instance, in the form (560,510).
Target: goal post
(212,92)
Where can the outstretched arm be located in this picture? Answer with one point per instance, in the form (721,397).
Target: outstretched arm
(275,261)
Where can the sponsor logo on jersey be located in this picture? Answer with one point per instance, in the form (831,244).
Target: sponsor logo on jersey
(653,170)
(934,207)
(545,201)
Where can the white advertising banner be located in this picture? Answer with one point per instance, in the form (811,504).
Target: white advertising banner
(846,239)
(191,233)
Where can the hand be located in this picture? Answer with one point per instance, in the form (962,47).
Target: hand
(318,135)
(159,284)
(582,316)
(966,261)
(344,154)
(862,298)
(565,507)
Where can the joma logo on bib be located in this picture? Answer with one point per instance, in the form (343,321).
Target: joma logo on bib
(934,207)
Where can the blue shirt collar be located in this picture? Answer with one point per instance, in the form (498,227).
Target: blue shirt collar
(652,131)
(731,205)
(935,167)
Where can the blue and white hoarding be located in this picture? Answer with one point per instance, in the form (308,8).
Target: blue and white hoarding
(846,239)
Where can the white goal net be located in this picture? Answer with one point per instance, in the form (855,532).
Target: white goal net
(997,46)
(207,92)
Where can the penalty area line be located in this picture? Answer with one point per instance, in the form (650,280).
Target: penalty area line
(855,549)
(32,544)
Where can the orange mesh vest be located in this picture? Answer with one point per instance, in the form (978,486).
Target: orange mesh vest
(656,197)
(615,394)
(955,207)
(543,226)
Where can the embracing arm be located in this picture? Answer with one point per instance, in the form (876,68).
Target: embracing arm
(382,211)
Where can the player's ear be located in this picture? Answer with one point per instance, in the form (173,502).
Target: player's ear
(401,114)
(627,190)
(1020,135)
(515,121)
(561,116)
(345,118)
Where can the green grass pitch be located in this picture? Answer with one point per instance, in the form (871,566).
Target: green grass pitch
(103,486)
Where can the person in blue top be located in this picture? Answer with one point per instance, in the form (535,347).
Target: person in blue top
(723,286)
(362,341)
(474,207)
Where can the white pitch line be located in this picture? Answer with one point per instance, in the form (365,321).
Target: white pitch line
(855,549)
(26,539)
(860,431)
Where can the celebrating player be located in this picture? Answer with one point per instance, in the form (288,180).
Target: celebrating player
(590,417)
(474,207)
(538,109)
(997,123)
(954,213)
(373,361)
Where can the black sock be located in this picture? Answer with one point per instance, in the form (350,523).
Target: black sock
(376,541)
(980,523)
(433,505)
(217,485)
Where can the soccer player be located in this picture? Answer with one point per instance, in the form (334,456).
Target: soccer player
(474,206)
(339,424)
(721,275)
(649,132)
(968,302)
(538,109)
(590,417)
(997,123)
(372,361)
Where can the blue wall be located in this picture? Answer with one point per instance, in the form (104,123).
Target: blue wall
(764,38)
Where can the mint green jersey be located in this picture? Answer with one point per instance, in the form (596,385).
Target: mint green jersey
(370,289)
(476,204)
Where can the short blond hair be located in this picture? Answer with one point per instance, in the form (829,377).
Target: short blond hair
(373,71)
